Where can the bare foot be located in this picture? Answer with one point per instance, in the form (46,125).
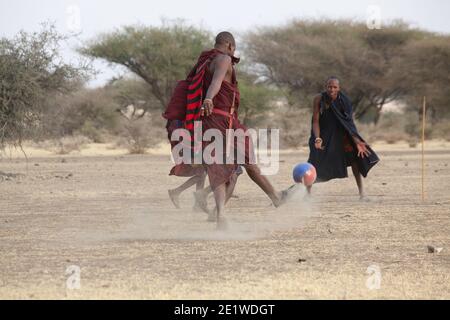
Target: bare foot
(363,198)
(174,196)
(283,197)
(307,197)
(222,224)
(200,202)
(212,215)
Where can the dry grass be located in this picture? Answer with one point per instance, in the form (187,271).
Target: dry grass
(111,217)
(64,145)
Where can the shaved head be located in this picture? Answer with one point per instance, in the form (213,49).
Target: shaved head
(225,37)
(333,78)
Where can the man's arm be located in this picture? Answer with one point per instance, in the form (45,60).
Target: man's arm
(316,116)
(221,66)
(316,127)
(361,146)
(356,139)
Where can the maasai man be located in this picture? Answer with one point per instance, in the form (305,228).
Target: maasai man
(176,115)
(335,143)
(219,111)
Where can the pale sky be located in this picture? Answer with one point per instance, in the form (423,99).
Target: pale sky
(97,16)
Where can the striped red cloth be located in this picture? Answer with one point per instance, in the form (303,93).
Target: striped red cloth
(195,90)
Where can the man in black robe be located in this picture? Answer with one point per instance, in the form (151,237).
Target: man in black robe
(335,143)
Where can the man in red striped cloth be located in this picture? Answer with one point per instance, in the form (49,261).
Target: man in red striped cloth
(180,114)
(216,106)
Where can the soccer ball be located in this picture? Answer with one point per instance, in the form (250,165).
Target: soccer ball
(304,173)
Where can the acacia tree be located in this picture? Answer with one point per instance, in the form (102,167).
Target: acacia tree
(132,93)
(257,100)
(31,68)
(302,54)
(159,55)
(428,68)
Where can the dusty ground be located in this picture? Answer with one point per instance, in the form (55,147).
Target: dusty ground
(111,217)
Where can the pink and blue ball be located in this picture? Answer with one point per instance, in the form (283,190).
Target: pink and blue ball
(304,173)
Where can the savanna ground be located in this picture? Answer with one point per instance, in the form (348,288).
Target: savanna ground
(110,215)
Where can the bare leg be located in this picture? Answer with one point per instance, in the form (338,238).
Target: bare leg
(201,194)
(174,194)
(230,187)
(254,173)
(201,181)
(204,192)
(358,179)
(228,194)
(220,196)
(307,196)
(201,202)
